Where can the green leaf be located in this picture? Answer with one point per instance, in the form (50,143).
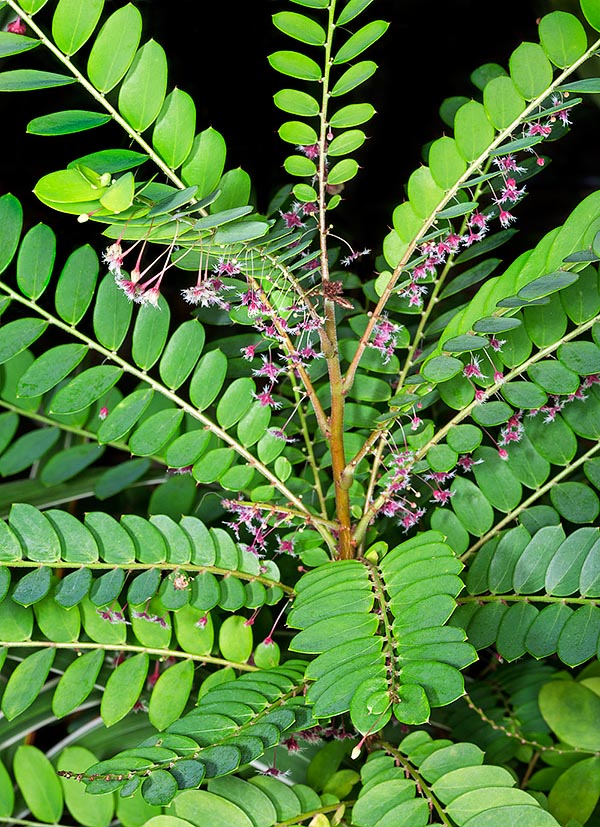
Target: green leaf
(591,13)
(71,188)
(56,622)
(49,369)
(143,90)
(112,314)
(360,41)
(173,135)
(115,47)
(564,40)
(73,587)
(11,222)
(7,793)
(27,449)
(572,711)
(35,261)
(545,285)
(205,163)
(440,368)
(248,797)
(473,132)
(187,448)
(87,810)
(296,132)
(347,142)
(293,64)
(120,193)
(351,10)
(73,23)
(33,586)
(18,335)
(502,102)
(583,357)
(524,395)
(296,102)
(106,588)
(575,501)
(125,415)
(67,122)
(13,44)
(66,465)
(170,694)
(423,192)
(76,285)
(236,639)
(35,532)
(196,806)
(234,189)
(123,688)
(530,70)
(343,171)
(471,507)
(299,165)
(554,378)
(235,402)
(85,388)
(26,682)
(25,80)
(208,378)
(445,162)
(39,784)
(464,343)
(300,28)
(150,333)
(353,77)
(155,432)
(575,794)
(352,115)
(159,788)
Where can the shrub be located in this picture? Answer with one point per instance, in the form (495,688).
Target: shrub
(296,531)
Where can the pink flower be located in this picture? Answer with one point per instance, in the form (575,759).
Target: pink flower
(291,219)
(206,293)
(415,422)
(442,496)
(506,218)
(539,129)
(510,191)
(16,27)
(472,370)
(265,398)
(113,256)
(248,352)
(311,151)
(508,164)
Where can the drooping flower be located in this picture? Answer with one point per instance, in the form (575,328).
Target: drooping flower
(17,26)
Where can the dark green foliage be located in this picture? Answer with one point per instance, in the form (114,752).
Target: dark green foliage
(233,450)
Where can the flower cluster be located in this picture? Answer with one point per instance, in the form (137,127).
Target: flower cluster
(256,522)
(385,337)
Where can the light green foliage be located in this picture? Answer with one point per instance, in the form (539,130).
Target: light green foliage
(253,501)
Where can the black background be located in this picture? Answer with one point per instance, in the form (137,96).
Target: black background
(217,53)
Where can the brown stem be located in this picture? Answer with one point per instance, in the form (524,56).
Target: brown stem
(342,480)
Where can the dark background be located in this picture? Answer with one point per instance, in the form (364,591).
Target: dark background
(217,52)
